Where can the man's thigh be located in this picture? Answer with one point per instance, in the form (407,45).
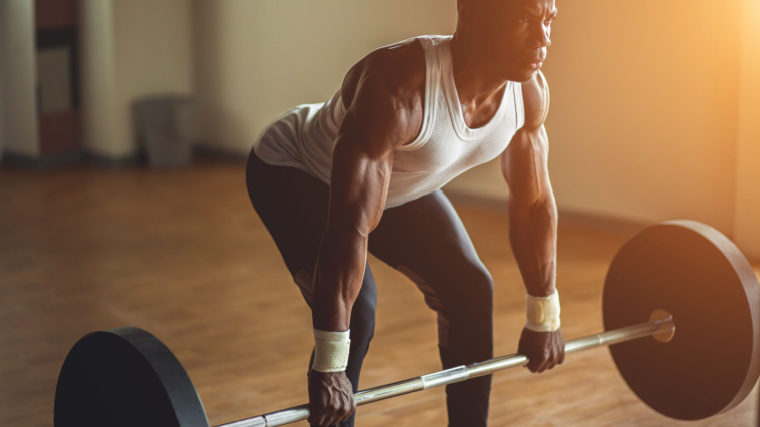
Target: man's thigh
(426,240)
(293,206)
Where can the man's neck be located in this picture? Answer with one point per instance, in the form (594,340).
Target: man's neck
(475,75)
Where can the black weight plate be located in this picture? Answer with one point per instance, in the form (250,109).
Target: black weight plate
(699,276)
(125,377)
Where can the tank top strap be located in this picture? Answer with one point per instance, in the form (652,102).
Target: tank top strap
(430,44)
(519,106)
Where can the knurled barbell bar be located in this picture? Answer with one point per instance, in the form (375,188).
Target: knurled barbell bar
(678,274)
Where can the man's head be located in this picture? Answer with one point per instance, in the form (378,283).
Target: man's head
(515,33)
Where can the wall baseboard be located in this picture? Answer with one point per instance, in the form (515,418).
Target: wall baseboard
(601,222)
(115,162)
(69,158)
(568,217)
(84,157)
(476,200)
(52,161)
(222,154)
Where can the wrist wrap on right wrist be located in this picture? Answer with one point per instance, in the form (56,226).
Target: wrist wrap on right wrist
(331,351)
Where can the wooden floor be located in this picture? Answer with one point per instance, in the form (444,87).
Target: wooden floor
(183,255)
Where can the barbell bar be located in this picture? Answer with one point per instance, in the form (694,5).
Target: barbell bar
(680,273)
(461,373)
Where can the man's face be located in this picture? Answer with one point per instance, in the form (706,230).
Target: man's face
(518,32)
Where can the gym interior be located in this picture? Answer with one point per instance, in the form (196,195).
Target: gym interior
(654,116)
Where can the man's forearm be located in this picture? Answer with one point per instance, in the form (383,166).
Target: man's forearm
(337,279)
(533,238)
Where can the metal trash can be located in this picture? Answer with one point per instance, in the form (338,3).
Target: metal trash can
(166,128)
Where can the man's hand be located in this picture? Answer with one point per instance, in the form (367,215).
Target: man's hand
(544,350)
(331,399)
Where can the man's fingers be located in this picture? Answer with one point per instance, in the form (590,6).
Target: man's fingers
(543,362)
(545,366)
(320,415)
(329,416)
(321,419)
(552,364)
(543,350)
(536,364)
(553,361)
(347,410)
(315,417)
(331,398)
(351,407)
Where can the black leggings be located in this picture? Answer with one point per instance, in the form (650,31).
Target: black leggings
(424,239)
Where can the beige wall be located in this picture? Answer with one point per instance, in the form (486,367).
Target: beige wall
(257,58)
(3,65)
(97,64)
(748,153)
(153,42)
(18,132)
(644,109)
(645,100)
(131,48)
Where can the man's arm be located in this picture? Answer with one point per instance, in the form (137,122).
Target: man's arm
(533,218)
(379,118)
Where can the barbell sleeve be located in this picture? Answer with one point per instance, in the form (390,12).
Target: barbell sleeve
(461,373)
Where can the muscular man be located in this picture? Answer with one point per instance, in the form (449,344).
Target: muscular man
(362,173)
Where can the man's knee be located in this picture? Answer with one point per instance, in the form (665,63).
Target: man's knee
(305,281)
(470,332)
(363,314)
(477,290)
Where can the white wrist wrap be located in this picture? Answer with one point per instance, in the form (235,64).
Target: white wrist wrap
(543,313)
(331,351)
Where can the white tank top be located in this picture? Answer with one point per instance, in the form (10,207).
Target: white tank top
(304,136)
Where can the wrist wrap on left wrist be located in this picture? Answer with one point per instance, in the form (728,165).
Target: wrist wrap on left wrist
(331,351)
(543,313)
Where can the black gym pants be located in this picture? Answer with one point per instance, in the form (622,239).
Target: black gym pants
(424,239)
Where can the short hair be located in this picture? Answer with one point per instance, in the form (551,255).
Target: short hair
(462,3)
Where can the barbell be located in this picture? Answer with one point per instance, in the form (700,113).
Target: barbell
(682,283)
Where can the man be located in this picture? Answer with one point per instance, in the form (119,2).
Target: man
(362,173)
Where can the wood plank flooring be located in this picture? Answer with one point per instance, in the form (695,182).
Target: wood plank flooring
(182,254)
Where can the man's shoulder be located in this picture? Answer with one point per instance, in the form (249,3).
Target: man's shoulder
(535,94)
(399,68)
(384,97)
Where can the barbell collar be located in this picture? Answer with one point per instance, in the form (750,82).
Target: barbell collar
(462,373)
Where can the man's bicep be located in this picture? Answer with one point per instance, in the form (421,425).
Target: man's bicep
(363,150)
(524,162)
(377,121)
(359,182)
(525,167)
